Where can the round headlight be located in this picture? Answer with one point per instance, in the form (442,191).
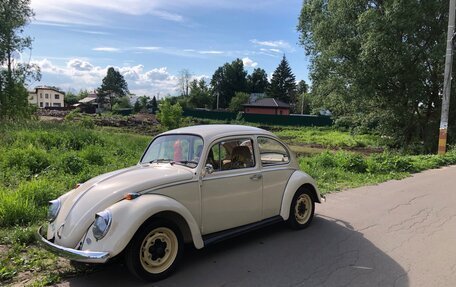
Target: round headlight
(101,224)
(53,209)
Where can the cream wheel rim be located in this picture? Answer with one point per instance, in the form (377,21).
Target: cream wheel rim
(158,250)
(303,208)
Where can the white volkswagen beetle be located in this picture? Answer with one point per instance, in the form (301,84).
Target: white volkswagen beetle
(199,184)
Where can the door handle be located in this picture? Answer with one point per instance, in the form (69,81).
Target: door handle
(256,177)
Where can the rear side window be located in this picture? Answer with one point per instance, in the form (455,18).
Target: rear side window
(272,152)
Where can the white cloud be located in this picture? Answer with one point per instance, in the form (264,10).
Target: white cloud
(81,74)
(106,49)
(272,44)
(79,65)
(88,12)
(213,52)
(249,62)
(275,50)
(148,48)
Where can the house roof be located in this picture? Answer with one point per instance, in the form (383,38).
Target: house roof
(268,103)
(87,100)
(49,88)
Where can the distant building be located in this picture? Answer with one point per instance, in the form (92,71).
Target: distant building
(88,104)
(267,106)
(45,96)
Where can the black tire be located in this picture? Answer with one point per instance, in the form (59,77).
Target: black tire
(302,216)
(163,247)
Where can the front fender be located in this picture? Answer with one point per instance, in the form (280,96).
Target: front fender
(297,179)
(129,215)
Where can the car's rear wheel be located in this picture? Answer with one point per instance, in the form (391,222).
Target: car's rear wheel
(302,209)
(155,250)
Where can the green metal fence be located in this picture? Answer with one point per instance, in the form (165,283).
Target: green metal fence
(281,120)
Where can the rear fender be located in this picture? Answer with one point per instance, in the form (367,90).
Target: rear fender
(297,180)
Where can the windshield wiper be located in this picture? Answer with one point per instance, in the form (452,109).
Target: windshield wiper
(158,160)
(186,162)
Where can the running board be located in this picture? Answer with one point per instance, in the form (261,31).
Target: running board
(233,232)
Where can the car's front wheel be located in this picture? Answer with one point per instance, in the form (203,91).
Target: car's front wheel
(301,210)
(155,250)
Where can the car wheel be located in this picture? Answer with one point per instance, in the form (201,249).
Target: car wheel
(302,209)
(155,250)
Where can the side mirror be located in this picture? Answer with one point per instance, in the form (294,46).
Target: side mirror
(209,168)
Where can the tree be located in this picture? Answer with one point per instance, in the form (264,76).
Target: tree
(283,83)
(379,64)
(184,82)
(170,115)
(258,81)
(237,101)
(200,95)
(14,15)
(70,98)
(141,104)
(122,103)
(302,87)
(227,80)
(113,86)
(154,105)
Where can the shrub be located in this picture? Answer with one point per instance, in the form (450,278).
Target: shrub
(170,116)
(388,163)
(78,138)
(325,159)
(87,122)
(39,191)
(72,164)
(93,155)
(32,159)
(352,162)
(16,209)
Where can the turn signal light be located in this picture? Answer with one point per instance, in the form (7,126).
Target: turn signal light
(131,195)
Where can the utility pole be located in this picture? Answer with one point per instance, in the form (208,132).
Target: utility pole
(302,103)
(443,132)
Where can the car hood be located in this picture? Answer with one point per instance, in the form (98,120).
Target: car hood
(80,205)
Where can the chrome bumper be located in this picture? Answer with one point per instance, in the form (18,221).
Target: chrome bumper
(72,254)
(323,198)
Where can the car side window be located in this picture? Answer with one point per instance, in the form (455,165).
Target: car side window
(272,152)
(231,154)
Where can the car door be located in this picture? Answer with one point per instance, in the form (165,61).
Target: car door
(276,170)
(231,194)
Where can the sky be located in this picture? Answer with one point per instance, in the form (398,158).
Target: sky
(151,41)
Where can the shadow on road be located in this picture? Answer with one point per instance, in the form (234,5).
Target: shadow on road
(328,253)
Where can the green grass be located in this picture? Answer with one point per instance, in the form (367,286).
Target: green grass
(328,137)
(40,161)
(335,171)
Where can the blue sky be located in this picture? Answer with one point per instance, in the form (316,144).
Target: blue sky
(150,41)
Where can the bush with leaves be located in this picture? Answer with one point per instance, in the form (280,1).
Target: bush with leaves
(170,115)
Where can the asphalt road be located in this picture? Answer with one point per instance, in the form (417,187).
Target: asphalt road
(399,233)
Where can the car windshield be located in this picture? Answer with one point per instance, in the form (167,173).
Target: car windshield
(176,149)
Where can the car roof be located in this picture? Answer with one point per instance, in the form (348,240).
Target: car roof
(211,132)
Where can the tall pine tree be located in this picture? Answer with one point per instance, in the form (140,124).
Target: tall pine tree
(113,86)
(283,83)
